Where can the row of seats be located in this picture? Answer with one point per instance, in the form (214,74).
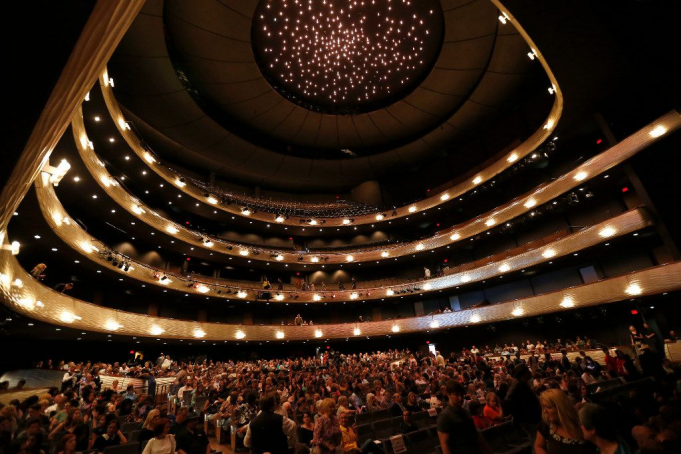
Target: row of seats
(385,428)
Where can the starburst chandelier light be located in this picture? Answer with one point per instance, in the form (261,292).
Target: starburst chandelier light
(346,57)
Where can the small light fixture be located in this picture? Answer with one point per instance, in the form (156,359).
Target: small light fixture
(279,297)
(455,236)
(240,334)
(385,254)
(412,209)
(567,302)
(156,330)
(427,286)
(280,335)
(349,258)
(607,232)
(505,267)
(465,278)
(172,229)
(444,196)
(396,328)
(657,131)
(280,218)
(354,296)
(530,203)
(356,332)
(279,258)
(475,318)
(477,180)
(518,311)
(512,158)
(633,289)
(314,259)
(213,201)
(390,292)
(580,176)
(346,221)
(548,253)
(380,217)
(420,247)
(316,297)
(490,222)
(199,333)
(112,325)
(241,294)
(243,252)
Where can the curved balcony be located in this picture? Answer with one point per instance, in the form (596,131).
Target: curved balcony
(549,248)
(30,298)
(516,207)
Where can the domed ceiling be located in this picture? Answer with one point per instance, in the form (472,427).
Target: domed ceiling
(318,95)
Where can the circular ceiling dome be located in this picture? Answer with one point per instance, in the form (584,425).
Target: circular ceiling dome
(346,57)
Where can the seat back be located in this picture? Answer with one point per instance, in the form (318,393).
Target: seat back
(128,448)
(365,432)
(130,426)
(381,414)
(494,438)
(364,418)
(419,442)
(383,428)
(134,435)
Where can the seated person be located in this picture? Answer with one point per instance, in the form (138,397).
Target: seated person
(407,425)
(112,437)
(349,443)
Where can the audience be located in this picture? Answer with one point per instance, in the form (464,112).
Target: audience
(472,390)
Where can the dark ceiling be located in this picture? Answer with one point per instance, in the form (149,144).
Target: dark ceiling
(188,77)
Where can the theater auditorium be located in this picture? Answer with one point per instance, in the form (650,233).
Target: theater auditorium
(341,227)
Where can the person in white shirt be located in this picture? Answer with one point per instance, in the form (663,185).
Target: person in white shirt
(163,442)
(475,350)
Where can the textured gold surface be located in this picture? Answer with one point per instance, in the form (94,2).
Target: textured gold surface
(72,234)
(107,24)
(504,213)
(56,307)
(486,174)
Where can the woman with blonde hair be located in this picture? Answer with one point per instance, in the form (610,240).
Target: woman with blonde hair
(147,432)
(560,431)
(327,431)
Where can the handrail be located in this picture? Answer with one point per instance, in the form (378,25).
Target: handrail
(520,205)
(72,234)
(29,297)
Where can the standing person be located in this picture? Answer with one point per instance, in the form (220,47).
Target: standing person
(354,283)
(163,442)
(650,338)
(426,273)
(270,432)
(456,428)
(327,431)
(341,286)
(599,428)
(523,404)
(559,432)
(636,337)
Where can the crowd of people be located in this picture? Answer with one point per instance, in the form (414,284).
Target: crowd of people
(303,404)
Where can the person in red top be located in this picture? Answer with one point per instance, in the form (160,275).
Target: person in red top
(610,362)
(476,410)
(493,411)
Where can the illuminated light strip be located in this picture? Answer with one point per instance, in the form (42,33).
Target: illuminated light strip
(593,167)
(623,224)
(83,315)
